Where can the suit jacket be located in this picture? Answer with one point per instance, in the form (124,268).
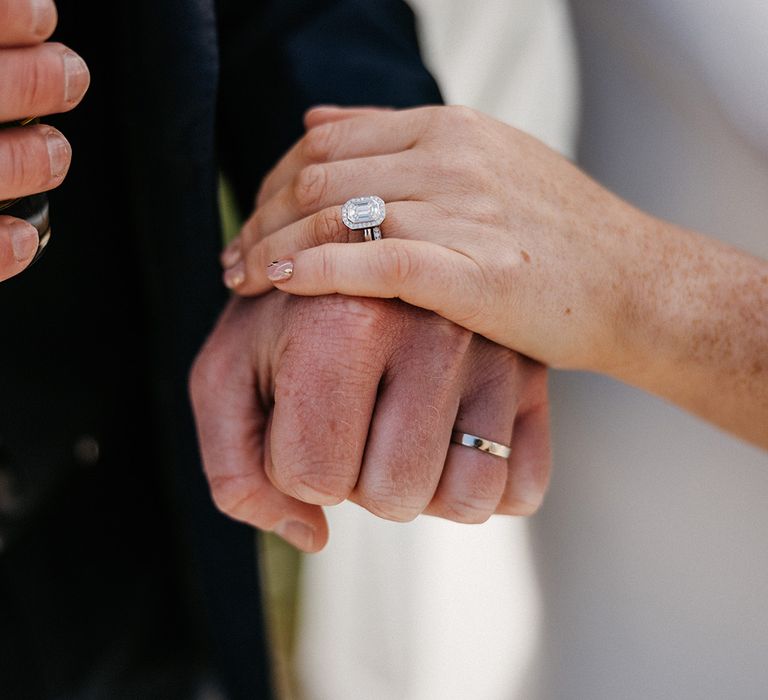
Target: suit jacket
(118,578)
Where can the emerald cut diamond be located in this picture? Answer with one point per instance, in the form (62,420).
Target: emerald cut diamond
(364,212)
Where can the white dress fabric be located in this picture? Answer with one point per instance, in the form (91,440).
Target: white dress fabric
(652,547)
(650,573)
(432,610)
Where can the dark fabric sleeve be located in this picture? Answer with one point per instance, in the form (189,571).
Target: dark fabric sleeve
(280,57)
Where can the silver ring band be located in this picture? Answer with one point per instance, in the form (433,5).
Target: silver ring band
(366,214)
(492,448)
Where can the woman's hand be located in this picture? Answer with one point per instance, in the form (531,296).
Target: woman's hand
(491,229)
(36,79)
(485,225)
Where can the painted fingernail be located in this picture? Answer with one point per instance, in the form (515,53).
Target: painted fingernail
(59,154)
(235,276)
(280,270)
(43,12)
(299,534)
(24,241)
(76,77)
(232,254)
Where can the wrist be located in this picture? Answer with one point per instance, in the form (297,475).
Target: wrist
(615,284)
(661,302)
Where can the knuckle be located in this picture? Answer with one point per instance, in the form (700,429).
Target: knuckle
(310,188)
(468,512)
(20,161)
(198,379)
(210,372)
(345,320)
(233,494)
(395,263)
(463,116)
(400,491)
(519,508)
(319,143)
(448,166)
(41,80)
(253,230)
(391,507)
(325,228)
(318,482)
(467,507)
(474,497)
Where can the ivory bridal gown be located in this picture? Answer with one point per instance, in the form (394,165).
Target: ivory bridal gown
(646,573)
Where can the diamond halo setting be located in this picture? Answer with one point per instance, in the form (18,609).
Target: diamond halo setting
(364,212)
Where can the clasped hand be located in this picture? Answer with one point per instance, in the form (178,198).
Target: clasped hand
(306,402)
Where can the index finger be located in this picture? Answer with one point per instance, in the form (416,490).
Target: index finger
(26,22)
(368,133)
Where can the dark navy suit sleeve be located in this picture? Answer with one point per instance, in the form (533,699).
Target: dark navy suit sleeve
(280,57)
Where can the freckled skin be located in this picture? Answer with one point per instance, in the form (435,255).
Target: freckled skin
(666,309)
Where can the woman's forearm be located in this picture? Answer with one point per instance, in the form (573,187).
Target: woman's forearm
(696,328)
(492,230)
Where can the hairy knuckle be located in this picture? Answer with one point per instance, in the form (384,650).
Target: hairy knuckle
(342,319)
(310,188)
(400,489)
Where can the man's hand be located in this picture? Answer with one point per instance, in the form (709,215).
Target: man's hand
(36,79)
(307,402)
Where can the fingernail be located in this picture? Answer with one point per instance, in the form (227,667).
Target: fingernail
(24,241)
(235,276)
(76,77)
(42,19)
(280,270)
(298,534)
(59,154)
(232,254)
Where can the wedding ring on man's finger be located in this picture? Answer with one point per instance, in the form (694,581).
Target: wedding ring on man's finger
(492,448)
(366,214)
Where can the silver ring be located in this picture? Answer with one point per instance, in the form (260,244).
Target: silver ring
(366,214)
(492,448)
